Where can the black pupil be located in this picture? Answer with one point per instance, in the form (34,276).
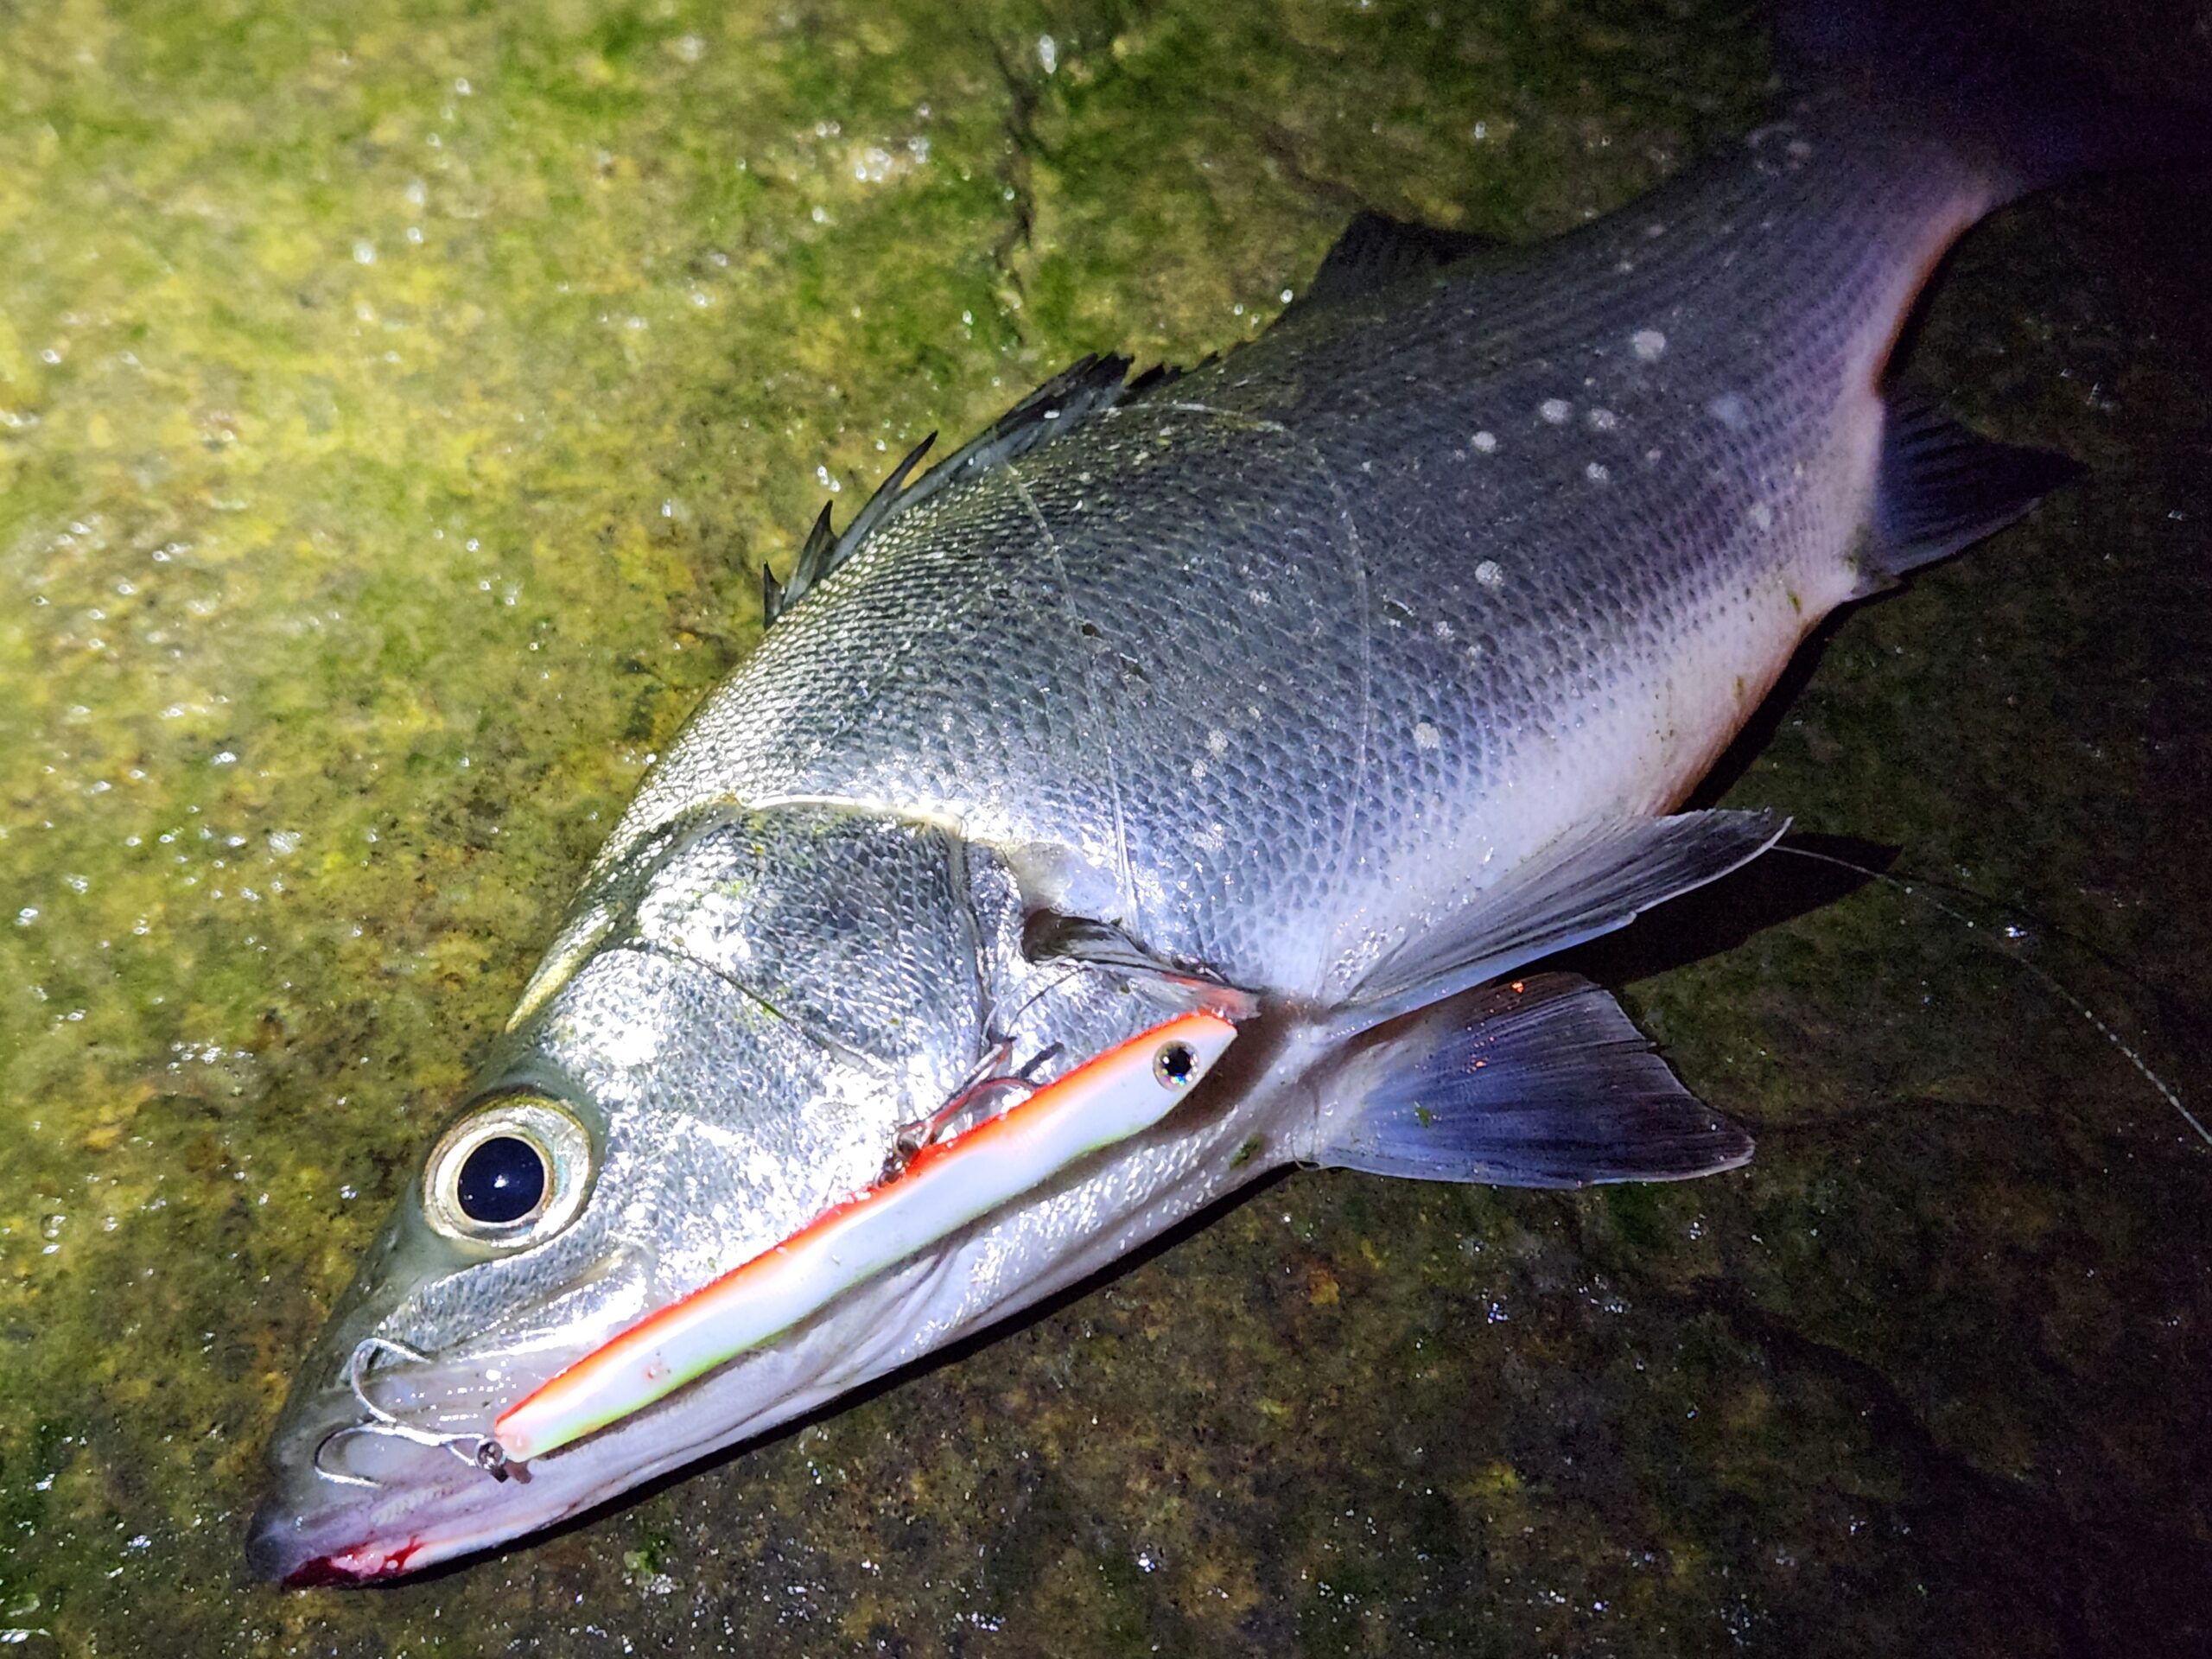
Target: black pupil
(501,1180)
(1176,1063)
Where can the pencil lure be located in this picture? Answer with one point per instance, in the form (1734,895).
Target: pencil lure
(943,1188)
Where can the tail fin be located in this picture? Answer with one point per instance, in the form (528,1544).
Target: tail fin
(2035,117)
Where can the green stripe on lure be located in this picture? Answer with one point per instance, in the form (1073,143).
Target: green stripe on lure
(946,1185)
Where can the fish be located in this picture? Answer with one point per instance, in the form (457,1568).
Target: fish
(1190,776)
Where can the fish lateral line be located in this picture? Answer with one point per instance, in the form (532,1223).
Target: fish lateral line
(1112,1096)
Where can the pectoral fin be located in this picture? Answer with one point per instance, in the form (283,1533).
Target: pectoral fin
(1540,1082)
(1590,881)
(1049,936)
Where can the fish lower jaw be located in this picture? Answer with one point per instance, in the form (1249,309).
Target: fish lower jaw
(303,1544)
(361,1564)
(371,1563)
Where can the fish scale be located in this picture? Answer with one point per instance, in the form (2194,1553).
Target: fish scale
(1213,536)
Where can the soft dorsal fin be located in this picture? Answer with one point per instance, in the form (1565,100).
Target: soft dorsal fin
(1058,407)
(1375,252)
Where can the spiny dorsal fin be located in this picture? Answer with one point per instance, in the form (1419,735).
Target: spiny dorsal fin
(1375,252)
(816,558)
(1056,408)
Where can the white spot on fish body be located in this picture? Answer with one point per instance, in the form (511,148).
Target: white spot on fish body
(1648,345)
(1728,409)
(1555,411)
(1490,574)
(1485,443)
(1597,471)
(1217,743)
(1603,420)
(1426,736)
(1761,515)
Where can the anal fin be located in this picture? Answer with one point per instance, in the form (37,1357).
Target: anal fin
(1540,1082)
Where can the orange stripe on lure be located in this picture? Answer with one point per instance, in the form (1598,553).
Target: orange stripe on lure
(1127,1088)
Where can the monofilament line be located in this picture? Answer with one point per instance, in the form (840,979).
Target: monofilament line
(2165,1093)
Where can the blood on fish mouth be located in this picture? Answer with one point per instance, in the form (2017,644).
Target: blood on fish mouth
(356,1566)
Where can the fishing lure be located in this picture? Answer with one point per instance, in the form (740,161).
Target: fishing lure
(944,1186)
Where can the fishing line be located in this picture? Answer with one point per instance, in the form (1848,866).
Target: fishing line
(2128,1052)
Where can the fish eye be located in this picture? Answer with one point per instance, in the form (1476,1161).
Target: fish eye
(513,1172)
(503,1180)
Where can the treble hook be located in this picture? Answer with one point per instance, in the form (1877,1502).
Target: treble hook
(987,1076)
(478,1451)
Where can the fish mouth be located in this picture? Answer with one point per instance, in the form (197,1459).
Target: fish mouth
(300,1538)
(295,1541)
(356,1500)
(282,1548)
(377,1482)
(382,1460)
(374,1486)
(326,1522)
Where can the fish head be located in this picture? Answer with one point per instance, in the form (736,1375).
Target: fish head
(750,1011)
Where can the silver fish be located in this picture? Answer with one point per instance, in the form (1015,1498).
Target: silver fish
(1327,686)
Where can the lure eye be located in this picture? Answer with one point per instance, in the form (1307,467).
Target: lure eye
(1175,1064)
(513,1171)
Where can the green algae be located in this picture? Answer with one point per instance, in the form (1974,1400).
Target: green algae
(395,404)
